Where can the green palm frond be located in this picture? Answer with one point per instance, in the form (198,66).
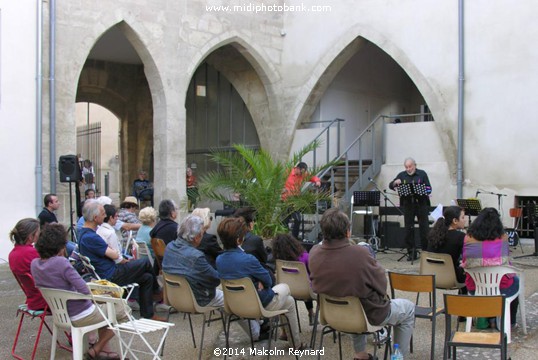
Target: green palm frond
(259,179)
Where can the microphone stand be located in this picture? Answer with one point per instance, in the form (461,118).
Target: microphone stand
(386,200)
(499,196)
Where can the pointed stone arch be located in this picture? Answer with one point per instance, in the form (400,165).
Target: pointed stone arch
(337,56)
(129,91)
(255,79)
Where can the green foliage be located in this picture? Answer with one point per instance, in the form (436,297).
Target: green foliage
(259,179)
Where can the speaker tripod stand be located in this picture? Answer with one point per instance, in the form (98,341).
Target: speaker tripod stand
(383,248)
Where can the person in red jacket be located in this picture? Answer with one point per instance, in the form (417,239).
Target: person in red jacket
(292,187)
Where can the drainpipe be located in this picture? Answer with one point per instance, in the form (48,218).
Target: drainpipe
(52,91)
(39,83)
(461,80)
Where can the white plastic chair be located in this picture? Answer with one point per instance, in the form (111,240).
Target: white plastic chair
(57,300)
(487,281)
(143,251)
(133,328)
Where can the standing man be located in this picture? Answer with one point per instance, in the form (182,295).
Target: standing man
(414,205)
(293,188)
(47,216)
(338,268)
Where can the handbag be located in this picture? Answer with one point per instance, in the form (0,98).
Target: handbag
(109,288)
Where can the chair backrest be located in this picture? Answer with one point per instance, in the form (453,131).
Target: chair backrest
(143,250)
(475,306)
(488,279)
(440,265)
(241,298)
(158,246)
(26,282)
(179,293)
(57,300)
(344,314)
(294,274)
(411,283)
(516,212)
(86,262)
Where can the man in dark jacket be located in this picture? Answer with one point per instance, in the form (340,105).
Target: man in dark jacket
(414,205)
(166,228)
(338,268)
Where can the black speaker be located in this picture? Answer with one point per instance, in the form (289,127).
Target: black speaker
(69,168)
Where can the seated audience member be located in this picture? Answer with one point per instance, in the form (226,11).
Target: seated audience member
(166,228)
(148,217)
(338,268)
(102,257)
(446,237)
(127,214)
(286,247)
(107,232)
(182,257)
(47,216)
(486,244)
(24,235)
(142,187)
(234,263)
(53,270)
(253,244)
(209,245)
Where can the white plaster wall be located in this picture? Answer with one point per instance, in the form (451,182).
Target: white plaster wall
(17,115)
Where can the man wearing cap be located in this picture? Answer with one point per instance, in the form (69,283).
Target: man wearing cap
(127,214)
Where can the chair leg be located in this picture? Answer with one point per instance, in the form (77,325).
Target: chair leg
(297,312)
(340,344)
(38,335)
(192,331)
(53,343)
(17,337)
(432,355)
(315,327)
(202,340)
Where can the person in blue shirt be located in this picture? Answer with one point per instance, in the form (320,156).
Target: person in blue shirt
(102,258)
(234,263)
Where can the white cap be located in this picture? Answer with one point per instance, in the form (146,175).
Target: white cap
(104,200)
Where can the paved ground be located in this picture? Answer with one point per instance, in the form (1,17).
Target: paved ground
(179,343)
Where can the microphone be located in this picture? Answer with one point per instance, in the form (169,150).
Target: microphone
(477,192)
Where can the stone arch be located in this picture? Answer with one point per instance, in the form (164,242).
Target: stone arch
(254,78)
(129,91)
(338,55)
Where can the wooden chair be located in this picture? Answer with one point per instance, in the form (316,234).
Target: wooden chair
(182,298)
(442,267)
(241,301)
(488,280)
(418,284)
(159,247)
(346,315)
(474,306)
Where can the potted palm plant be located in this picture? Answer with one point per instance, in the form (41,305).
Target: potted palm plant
(259,180)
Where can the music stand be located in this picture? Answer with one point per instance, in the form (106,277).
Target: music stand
(472,207)
(411,189)
(368,199)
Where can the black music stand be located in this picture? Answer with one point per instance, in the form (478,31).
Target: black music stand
(411,190)
(472,207)
(368,199)
(406,190)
